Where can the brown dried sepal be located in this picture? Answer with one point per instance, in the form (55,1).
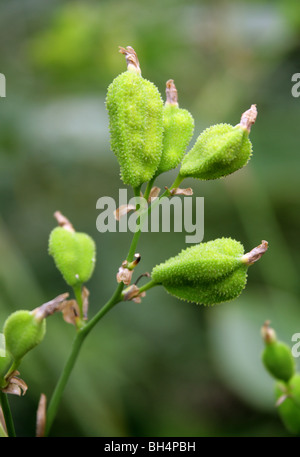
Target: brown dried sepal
(268,334)
(124,274)
(122,210)
(70,312)
(126,270)
(248,118)
(15,385)
(41,417)
(131,59)
(63,221)
(255,254)
(171,93)
(70,308)
(133,293)
(154,193)
(49,308)
(177,191)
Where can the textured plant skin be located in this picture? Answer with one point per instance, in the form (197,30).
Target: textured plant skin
(178,126)
(289,408)
(22,333)
(74,254)
(135,109)
(5,364)
(207,273)
(219,151)
(278,360)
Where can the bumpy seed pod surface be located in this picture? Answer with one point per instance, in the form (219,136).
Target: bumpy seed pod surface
(207,273)
(220,150)
(22,333)
(5,364)
(278,360)
(289,409)
(135,110)
(178,126)
(74,254)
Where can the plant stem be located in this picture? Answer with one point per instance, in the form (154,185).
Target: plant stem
(77,343)
(77,293)
(137,234)
(7,415)
(84,331)
(148,286)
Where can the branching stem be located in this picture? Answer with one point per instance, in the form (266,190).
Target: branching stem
(85,330)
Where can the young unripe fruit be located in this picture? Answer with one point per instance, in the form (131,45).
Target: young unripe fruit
(277,356)
(74,254)
(178,130)
(289,408)
(207,273)
(22,333)
(220,150)
(135,110)
(278,360)
(5,364)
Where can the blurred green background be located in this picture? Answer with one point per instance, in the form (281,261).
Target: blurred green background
(163,367)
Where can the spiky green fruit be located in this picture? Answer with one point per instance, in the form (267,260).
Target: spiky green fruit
(220,150)
(288,397)
(207,273)
(178,126)
(135,109)
(22,333)
(278,360)
(74,254)
(277,356)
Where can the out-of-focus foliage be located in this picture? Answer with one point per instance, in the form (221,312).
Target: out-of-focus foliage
(161,368)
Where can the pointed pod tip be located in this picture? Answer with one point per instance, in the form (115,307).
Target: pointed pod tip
(255,254)
(63,221)
(131,59)
(248,118)
(268,334)
(171,93)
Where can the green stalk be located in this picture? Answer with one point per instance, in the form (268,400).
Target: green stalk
(77,292)
(148,286)
(77,343)
(7,415)
(166,193)
(85,330)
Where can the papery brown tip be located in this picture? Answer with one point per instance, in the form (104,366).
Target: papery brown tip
(248,118)
(131,59)
(171,93)
(63,221)
(256,253)
(41,417)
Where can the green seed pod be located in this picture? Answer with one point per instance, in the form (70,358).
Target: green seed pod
(5,364)
(135,110)
(23,331)
(178,130)
(277,356)
(288,400)
(74,253)
(208,273)
(220,150)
